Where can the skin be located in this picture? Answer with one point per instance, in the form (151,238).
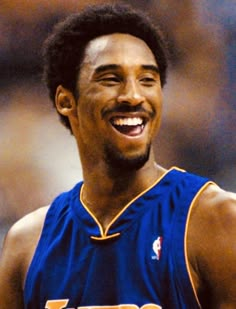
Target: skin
(105,95)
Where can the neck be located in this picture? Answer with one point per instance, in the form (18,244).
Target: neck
(101,179)
(106,193)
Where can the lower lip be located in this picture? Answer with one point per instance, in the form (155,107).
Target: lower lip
(130,131)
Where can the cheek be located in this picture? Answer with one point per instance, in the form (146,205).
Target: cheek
(159,98)
(89,113)
(155,99)
(95,99)
(87,104)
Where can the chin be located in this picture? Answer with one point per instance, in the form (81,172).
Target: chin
(120,161)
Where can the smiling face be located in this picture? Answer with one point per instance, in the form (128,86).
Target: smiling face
(119,105)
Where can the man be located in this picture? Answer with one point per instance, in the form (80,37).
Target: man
(132,234)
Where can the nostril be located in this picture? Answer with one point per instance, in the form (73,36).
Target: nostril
(134,98)
(130,93)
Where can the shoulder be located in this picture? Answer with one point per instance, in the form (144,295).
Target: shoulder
(20,243)
(33,220)
(215,208)
(211,243)
(27,230)
(212,218)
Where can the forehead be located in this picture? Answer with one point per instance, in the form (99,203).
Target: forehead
(118,48)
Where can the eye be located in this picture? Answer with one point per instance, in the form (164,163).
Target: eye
(109,80)
(148,81)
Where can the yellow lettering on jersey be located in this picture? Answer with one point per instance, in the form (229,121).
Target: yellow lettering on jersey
(60,304)
(147,306)
(56,304)
(111,307)
(151,306)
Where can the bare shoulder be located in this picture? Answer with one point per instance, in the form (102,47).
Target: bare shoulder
(215,208)
(211,243)
(18,249)
(24,235)
(28,227)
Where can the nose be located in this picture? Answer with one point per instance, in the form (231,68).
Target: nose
(130,93)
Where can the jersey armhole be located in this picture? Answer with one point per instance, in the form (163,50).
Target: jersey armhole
(187,262)
(42,239)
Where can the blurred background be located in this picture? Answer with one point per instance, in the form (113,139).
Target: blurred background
(38,156)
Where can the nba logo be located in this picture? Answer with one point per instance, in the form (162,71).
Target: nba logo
(157,246)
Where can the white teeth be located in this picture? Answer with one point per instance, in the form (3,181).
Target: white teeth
(136,121)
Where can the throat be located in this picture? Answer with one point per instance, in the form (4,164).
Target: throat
(104,213)
(107,198)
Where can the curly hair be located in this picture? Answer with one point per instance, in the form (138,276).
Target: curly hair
(63,50)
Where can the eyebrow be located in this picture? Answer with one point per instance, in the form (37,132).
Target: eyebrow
(151,67)
(107,67)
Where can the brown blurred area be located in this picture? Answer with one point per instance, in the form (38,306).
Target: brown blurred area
(38,157)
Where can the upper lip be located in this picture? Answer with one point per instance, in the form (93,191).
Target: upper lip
(126,111)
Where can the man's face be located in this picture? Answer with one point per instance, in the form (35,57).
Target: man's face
(119,105)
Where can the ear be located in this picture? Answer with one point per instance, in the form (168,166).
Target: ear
(65,101)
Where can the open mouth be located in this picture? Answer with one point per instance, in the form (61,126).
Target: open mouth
(131,126)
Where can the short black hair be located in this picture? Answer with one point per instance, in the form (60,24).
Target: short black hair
(63,50)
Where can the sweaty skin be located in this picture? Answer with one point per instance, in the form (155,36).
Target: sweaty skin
(119,85)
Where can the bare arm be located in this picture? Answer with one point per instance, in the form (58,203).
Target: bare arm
(11,294)
(212,244)
(18,249)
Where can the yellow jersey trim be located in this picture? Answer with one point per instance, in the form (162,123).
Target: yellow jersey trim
(185,238)
(104,233)
(104,237)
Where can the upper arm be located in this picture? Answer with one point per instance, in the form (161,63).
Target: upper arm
(222,254)
(11,294)
(214,248)
(17,253)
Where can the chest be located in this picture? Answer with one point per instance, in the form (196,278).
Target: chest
(140,259)
(135,266)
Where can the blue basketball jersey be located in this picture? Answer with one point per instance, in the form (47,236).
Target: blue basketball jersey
(139,261)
